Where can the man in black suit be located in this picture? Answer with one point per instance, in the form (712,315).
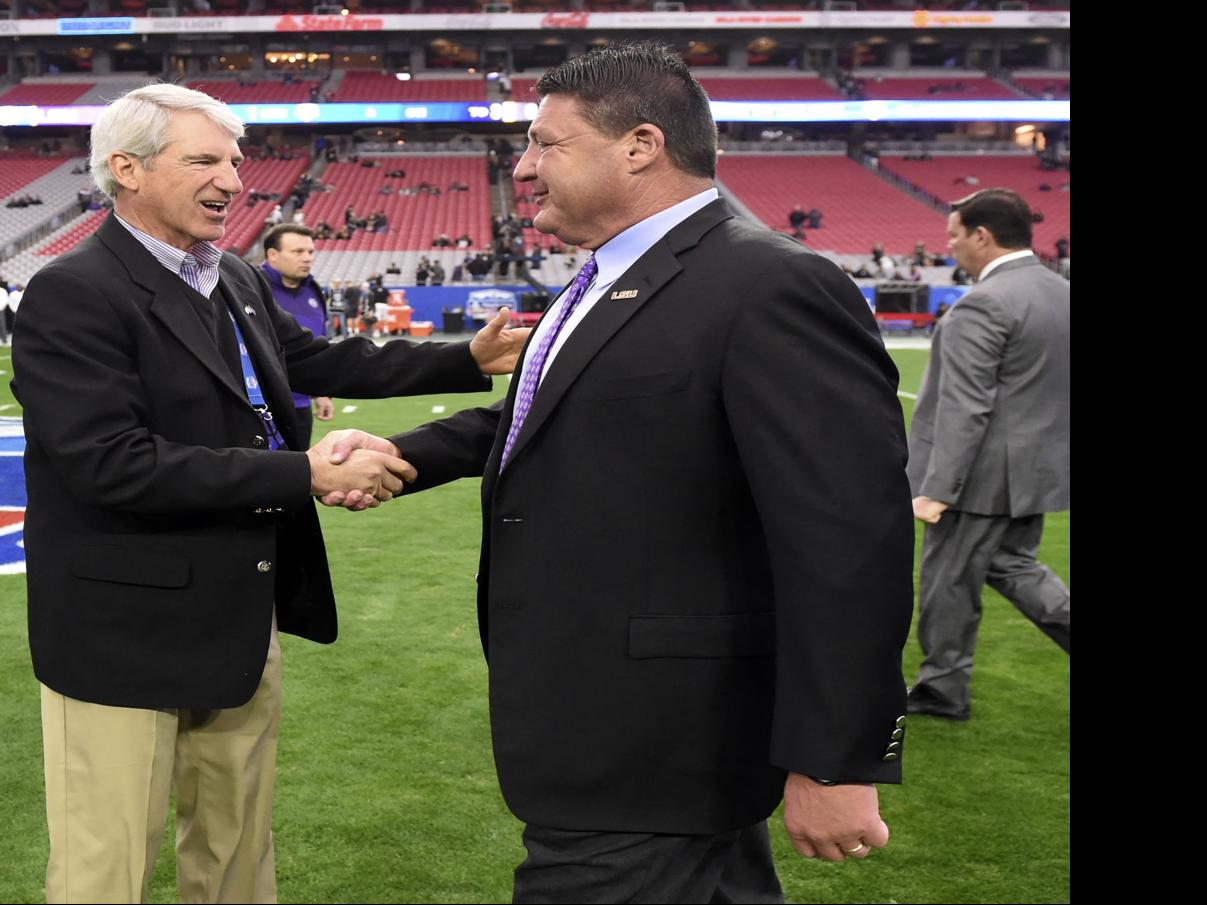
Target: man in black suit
(170,529)
(695,580)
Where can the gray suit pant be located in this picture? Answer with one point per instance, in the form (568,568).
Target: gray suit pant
(960,554)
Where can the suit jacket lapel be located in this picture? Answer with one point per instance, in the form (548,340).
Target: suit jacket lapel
(646,277)
(170,302)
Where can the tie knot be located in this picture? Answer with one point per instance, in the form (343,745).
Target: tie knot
(588,270)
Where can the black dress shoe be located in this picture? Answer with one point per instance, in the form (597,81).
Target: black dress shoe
(920,700)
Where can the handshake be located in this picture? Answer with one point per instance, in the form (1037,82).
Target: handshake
(356,470)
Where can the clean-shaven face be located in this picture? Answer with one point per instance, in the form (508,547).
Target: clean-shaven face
(577,175)
(964,246)
(185,192)
(294,258)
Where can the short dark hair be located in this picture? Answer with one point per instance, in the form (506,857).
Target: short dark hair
(1002,212)
(621,86)
(272,238)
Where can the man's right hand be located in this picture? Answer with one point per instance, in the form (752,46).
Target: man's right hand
(356,470)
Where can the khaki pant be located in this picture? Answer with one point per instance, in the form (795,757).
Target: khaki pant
(109,772)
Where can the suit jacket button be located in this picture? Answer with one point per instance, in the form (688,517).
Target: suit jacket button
(891,756)
(900,722)
(258,442)
(258,509)
(897,734)
(264,566)
(893,747)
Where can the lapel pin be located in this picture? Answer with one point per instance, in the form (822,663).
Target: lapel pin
(249,310)
(625,294)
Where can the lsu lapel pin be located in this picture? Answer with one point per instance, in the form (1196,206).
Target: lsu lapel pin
(625,294)
(249,310)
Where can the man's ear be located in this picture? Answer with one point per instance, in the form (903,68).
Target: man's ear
(126,169)
(645,145)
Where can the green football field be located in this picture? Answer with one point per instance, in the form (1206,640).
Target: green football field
(386,790)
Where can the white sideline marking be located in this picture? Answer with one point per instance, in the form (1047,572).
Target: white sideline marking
(348,409)
(7,405)
(907,395)
(437,410)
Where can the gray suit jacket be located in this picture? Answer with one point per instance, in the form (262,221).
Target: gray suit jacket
(990,432)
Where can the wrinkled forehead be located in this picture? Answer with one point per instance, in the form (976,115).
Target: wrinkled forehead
(191,131)
(557,112)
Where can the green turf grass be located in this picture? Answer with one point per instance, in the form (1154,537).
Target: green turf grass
(386,789)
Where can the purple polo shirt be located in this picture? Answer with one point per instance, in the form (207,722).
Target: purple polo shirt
(305,303)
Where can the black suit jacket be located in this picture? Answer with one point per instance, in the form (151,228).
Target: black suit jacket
(160,528)
(696,568)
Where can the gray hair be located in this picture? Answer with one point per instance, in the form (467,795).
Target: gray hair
(138,122)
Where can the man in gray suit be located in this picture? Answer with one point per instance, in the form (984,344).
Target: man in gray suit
(989,446)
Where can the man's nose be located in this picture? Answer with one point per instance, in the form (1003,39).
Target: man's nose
(228,180)
(525,168)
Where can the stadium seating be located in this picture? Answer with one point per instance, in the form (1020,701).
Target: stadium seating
(945,178)
(49,178)
(858,207)
(372,87)
(75,232)
(769,89)
(1039,86)
(414,220)
(18,169)
(45,94)
(264,92)
(958,86)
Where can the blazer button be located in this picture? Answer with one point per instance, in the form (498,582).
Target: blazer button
(893,747)
(264,566)
(891,756)
(897,733)
(258,442)
(900,722)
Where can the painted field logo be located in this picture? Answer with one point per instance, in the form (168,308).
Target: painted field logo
(12,497)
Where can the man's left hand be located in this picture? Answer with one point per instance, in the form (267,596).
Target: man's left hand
(496,347)
(324,408)
(833,822)
(928,510)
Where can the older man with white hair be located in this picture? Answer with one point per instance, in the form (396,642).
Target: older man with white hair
(171,528)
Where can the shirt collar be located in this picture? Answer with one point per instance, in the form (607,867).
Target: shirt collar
(1011,256)
(203,254)
(621,252)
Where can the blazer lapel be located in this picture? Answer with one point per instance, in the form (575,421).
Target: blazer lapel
(634,289)
(170,302)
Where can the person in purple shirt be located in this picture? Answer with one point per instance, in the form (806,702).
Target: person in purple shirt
(288,256)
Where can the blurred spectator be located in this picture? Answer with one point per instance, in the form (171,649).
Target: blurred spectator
(796,219)
(1062,256)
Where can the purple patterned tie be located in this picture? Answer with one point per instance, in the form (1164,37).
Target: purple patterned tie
(532,376)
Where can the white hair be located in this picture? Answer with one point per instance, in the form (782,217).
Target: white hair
(138,122)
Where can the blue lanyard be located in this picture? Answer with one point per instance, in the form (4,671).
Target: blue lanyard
(254,395)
